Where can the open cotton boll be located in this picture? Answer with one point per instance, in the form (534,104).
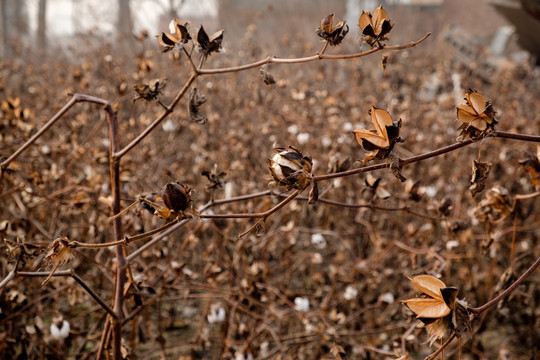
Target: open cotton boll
(301,304)
(216,314)
(60,329)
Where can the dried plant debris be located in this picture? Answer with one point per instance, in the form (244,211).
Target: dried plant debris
(477,114)
(334,34)
(59,253)
(215,177)
(439,308)
(151,90)
(21,250)
(169,41)
(209,44)
(374,188)
(480,172)
(196,99)
(268,78)
(531,164)
(495,207)
(376,27)
(381,141)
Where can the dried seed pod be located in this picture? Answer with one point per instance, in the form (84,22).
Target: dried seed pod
(176,196)
(381,141)
(196,99)
(439,309)
(333,34)
(151,90)
(209,44)
(375,27)
(181,36)
(477,114)
(291,169)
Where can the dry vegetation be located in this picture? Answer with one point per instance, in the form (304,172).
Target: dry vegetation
(349,254)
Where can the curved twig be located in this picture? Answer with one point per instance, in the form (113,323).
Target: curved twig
(320,56)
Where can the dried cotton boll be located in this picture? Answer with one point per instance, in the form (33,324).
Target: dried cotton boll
(290,168)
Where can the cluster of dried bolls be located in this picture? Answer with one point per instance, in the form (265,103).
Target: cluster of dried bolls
(180,36)
(375,28)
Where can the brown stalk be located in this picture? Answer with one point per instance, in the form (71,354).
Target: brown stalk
(320,56)
(75,277)
(441,349)
(507,291)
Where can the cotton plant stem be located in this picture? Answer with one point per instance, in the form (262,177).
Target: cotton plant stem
(320,56)
(441,349)
(155,240)
(80,281)
(508,290)
(252,215)
(169,109)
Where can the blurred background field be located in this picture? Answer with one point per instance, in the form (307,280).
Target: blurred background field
(351,264)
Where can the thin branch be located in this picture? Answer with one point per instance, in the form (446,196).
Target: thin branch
(74,99)
(253,215)
(508,290)
(508,135)
(321,56)
(70,273)
(168,110)
(151,243)
(443,346)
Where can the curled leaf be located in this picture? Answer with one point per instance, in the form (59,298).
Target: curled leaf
(196,99)
(313,193)
(480,172)
(531,165)
(267,77)
(59,253)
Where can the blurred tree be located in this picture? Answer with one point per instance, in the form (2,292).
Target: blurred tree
(42,25)
(6,51)
(125,25)
(20,17)
(125,21)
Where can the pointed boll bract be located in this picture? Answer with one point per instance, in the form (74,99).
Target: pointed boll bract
(375,27)
(333,34)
